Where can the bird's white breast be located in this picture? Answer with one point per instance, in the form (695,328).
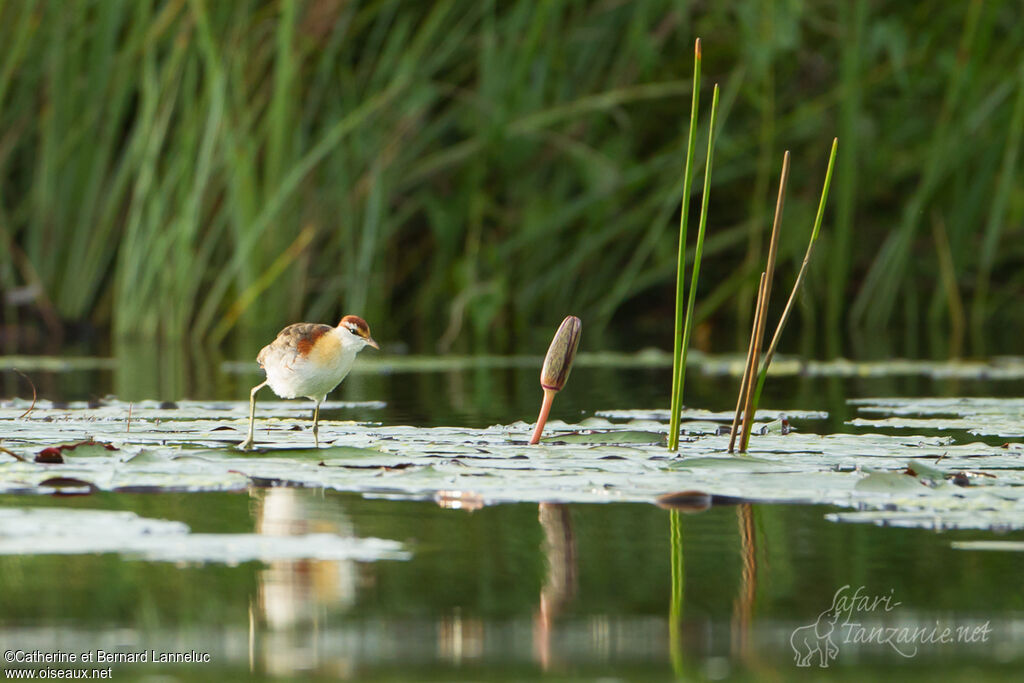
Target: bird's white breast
(316,374)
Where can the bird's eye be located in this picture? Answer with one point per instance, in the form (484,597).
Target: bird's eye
(354,330)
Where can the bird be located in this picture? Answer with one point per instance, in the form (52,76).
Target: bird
(309,360)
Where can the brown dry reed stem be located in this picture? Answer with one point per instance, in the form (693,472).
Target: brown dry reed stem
(773,247)
(744,400)
(762,312)
(746,371)
(12,454)
(760,315)
(799,277)
(31,407)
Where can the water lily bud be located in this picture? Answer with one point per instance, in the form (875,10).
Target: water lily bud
(557,365)
(561,353)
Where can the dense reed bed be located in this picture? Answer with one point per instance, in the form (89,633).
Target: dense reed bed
(463,173)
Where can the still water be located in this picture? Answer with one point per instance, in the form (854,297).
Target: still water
(513,592)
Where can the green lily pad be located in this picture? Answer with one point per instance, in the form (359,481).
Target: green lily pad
(604,438)
(192,446)
(926,472)
(889,482)
(727,462)
(315,454)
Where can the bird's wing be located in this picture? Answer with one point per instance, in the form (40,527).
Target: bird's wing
(293,342)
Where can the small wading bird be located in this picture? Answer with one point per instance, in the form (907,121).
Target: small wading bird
(309,360)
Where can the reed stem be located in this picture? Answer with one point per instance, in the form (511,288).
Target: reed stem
(677,351)
(762,308)
(747,371)
(759,323)
(770,354)
(697,254)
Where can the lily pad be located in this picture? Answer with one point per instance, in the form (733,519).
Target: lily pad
(315,454)
(37,531)
(602,438)
(890,482)
(193,447)
(720,416)
(977,416)
(727,462)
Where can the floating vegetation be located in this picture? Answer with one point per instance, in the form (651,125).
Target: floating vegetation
(719,416)
(892,478)
(607,438)
(1002,417)
(38,531)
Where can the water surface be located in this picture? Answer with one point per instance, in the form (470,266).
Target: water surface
(518,591)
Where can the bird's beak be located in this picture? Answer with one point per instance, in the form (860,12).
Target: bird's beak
(374,344)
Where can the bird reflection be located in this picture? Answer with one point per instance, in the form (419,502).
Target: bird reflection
(559,588)
(294,596)
(459,500)
(459,637)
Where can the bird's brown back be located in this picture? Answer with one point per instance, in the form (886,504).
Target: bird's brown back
(294,341)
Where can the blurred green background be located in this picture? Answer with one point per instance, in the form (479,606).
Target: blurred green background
(463,173)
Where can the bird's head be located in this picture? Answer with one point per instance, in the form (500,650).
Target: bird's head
(359,331)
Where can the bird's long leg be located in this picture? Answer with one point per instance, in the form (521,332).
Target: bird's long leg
(248,443)
(316,420)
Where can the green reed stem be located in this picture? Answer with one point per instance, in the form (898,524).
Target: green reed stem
(690,302)
(677,351)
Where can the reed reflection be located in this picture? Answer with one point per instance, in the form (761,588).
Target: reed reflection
(743,605)
(682,502)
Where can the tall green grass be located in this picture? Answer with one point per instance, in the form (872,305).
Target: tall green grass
(458,171)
